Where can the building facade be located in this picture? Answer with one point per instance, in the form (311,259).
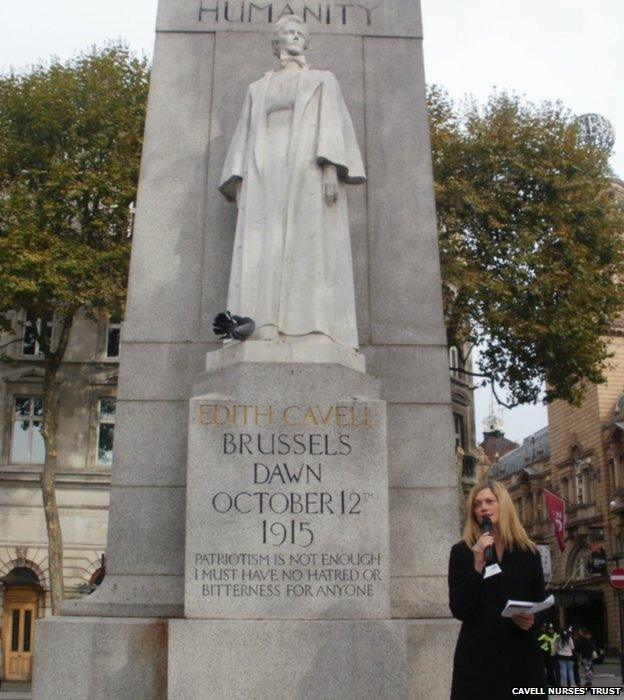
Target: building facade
(86,424)
(580,457)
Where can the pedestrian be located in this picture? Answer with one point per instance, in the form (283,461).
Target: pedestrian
(575,634)
(565,655)
(585,647)
(556,636)
(546,641)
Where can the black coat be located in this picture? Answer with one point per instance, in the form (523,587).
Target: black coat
(493,655)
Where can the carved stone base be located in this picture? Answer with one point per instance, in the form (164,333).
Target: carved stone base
(313,349)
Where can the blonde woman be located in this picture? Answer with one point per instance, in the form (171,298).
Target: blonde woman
(494,654)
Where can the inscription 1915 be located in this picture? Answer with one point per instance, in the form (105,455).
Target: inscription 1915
(322,13)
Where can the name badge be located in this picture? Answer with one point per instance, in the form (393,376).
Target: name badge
(492,570)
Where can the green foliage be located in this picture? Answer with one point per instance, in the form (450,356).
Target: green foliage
(530,234)
(70,144)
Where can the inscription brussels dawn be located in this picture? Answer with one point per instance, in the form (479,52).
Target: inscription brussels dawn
(364,17)
(288,516)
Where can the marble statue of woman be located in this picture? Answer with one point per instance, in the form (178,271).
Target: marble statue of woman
(292,153)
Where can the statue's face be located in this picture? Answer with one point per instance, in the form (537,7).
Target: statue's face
(292,39)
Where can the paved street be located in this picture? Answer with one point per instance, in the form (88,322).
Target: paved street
(15,691)
(605,675)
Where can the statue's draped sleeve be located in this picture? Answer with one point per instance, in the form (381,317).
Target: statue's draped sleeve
(336,137)
(236,159)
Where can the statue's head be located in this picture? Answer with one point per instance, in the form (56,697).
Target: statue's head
(291,35)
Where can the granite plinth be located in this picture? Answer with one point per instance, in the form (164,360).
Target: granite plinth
(283,660)
(100,659)
(430,648)
(131,595)
(311,349)
(263,659)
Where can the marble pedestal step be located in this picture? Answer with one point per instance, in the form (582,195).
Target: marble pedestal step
(90,658)
(310,349)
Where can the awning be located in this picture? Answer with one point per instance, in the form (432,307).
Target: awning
(21,576)
(576,596)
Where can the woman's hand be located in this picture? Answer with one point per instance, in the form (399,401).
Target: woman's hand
(330,183)
(486,540)
(524,620)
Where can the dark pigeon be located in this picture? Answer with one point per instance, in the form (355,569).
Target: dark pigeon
(227,326)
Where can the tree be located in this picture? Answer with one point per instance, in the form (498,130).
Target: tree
(70,143)
(530,235)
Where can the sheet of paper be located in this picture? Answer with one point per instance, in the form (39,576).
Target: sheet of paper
(516,607)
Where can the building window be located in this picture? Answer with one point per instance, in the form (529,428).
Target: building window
(528,508)
(460,430)
(30,346)
(454,361)
(579,482)
(581,566)
(27,446)
(113,334)
(588,486)
(565,489)
(106,432)
(613,475)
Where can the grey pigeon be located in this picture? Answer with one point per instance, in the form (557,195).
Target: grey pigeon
(226,326)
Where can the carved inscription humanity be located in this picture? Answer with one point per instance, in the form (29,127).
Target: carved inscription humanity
(287,504)
(357,18)
(325,13)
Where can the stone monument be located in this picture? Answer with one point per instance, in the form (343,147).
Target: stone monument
(281,508)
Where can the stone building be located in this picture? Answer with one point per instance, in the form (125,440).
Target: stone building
(580,457)
(495,444)
(86,430)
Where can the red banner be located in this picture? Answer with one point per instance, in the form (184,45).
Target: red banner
(556,514)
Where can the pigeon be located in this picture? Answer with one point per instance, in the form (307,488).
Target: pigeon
(227,326)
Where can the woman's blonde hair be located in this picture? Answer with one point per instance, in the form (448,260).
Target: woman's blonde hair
(512,532)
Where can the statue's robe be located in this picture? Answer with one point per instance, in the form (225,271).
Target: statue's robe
(296,274)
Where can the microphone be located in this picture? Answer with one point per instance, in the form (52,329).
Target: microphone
(488,552)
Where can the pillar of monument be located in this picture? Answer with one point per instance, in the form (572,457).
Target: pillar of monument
(207,52)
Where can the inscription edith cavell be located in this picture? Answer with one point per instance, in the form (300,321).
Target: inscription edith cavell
(287,511)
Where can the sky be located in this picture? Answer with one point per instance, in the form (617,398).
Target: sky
(568,50)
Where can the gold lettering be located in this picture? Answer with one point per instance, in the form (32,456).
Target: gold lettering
(203,411)
(259,413)
(341,419)
(367,423)
(286,415)
(325,419)
(354,421)
(309,416)
(222,415)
